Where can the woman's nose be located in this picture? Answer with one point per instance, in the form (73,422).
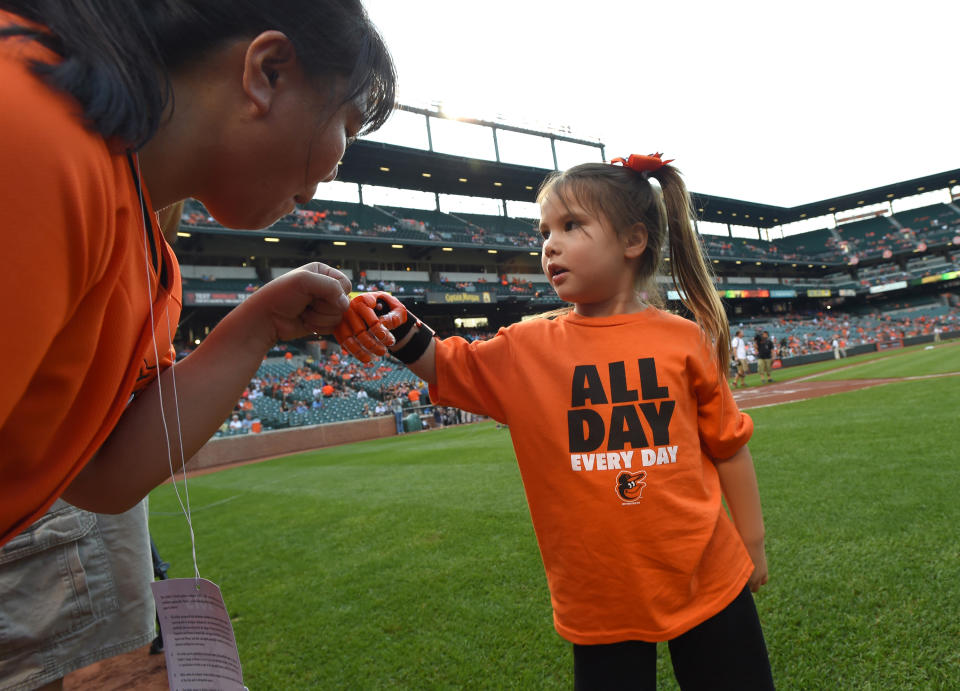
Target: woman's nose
(306,196)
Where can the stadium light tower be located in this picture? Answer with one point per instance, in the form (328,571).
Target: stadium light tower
(547,132)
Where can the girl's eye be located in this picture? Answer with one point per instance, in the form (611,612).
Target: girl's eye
(570,225)
(544,233)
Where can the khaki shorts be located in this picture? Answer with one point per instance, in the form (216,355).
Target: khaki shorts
(763,366)
(76,589)
(743,367)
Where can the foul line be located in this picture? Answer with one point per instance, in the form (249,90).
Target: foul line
(198,508)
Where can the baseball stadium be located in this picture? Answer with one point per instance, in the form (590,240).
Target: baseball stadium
(312,381)
(353,556)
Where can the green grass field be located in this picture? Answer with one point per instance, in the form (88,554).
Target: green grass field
(411,562)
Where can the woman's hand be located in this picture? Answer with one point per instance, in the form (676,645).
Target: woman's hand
(308,300)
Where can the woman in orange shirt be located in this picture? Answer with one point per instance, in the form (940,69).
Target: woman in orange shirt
(110,111)
(625,431)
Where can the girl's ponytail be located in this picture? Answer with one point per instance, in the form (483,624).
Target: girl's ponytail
(691,274)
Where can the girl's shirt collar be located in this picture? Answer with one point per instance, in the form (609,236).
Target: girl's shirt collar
(611,320)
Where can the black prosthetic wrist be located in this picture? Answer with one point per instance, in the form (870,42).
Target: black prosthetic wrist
(417,346)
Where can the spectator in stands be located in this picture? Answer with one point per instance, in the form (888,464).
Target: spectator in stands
(236,424)
(107,114)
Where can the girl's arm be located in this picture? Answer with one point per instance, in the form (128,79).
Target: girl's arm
(425,366)
(738,480)
(209,383)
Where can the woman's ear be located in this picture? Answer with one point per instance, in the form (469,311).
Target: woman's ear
(636,243)
(268,62)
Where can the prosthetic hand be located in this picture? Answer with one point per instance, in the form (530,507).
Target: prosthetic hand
(376,321)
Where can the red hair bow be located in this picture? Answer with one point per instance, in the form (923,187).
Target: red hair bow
(643,164)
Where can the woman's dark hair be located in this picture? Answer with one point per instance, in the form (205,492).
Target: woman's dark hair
(118,55)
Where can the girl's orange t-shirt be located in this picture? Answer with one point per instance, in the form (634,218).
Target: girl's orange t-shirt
(616,423)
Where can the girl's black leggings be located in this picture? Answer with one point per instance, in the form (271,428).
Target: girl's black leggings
(726,651)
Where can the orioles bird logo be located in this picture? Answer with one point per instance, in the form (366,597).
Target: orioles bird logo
(630,485)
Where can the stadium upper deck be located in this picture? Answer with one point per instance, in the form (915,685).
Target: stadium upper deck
(461,259)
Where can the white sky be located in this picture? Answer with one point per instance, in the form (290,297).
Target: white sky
(756,100)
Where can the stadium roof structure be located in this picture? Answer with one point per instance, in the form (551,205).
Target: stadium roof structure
(390,165)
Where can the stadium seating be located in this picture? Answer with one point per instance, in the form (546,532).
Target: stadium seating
(503,230)
(282,392)
(342,218)
(933,225)
(816,245)
(870,238)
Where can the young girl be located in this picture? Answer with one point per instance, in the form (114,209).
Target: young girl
(625,432)
(111,110)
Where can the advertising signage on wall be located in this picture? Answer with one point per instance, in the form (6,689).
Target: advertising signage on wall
(818,293)
(207,298)
(760,293)
(751,293)
(482,298)
(936,278)
(886,287)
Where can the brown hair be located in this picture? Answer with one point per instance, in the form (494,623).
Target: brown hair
(625,197)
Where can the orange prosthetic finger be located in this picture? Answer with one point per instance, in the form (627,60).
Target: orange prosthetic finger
(394,318)
(346,332)
(354,334)
(342,331)
(392,312)
(373,325)
(382,334)
(371,343)
(353,347)
(354,321)
(362,306)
